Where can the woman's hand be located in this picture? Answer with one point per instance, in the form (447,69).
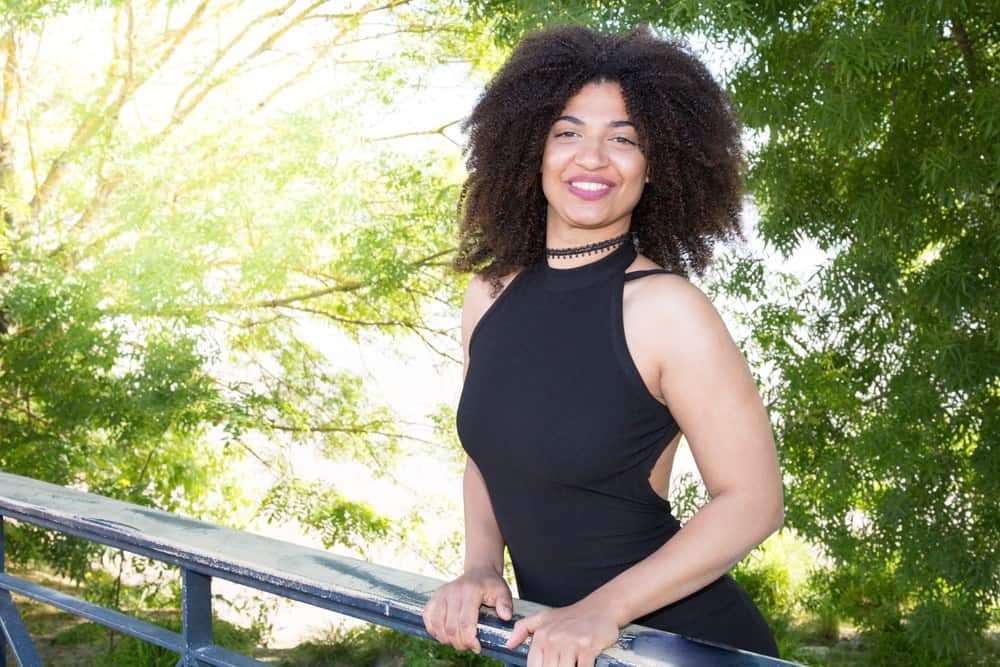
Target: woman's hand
(570,636)
(451,616)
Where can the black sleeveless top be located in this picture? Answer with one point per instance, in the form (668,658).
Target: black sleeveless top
(559,421)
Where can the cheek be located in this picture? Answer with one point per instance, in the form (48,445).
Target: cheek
(639,167)
(552,161)
(634,172)
(550,171)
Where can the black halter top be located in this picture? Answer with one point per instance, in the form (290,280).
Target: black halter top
(559,421)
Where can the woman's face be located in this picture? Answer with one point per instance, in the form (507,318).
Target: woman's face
(592,169)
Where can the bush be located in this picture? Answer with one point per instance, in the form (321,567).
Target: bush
(372,645)
(775,575)
(130,652)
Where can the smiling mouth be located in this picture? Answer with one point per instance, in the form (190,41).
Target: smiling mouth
(589,186)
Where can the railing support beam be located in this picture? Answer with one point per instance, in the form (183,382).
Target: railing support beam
(12,630)
(16,634)
(3,637)
(196,610)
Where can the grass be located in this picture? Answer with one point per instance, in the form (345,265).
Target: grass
(64,639)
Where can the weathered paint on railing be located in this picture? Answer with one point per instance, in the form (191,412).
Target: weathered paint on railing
(382,595)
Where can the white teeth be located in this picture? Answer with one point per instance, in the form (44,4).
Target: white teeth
(586,185)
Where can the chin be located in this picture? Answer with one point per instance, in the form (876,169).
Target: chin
(601,223)
(589,221)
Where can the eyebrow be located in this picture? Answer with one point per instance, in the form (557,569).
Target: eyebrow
(614,123)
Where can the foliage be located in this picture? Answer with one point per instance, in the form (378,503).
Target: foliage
(128,651)
(875,135)
(200,201)
(374,645)
(776,577)
(32,13)
(338,520)
(131,651)
(687,495)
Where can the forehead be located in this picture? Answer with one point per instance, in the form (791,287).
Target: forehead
(598,101)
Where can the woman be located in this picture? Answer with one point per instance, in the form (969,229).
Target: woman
(586,361)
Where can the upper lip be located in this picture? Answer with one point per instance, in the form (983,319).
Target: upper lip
(589,178)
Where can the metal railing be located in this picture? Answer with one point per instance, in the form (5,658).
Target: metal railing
(203,551)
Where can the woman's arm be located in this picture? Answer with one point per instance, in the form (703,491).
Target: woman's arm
(452,614)
(483,543)
(705,381)
(711,393)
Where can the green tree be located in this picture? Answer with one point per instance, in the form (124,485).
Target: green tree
(875,134)
(194,193)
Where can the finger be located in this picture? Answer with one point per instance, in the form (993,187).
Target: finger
(566,657)
(522,629)
(517,635)
(585,659)
(536,656)
(468,625)
(450,624)
(432,618)
(504,602)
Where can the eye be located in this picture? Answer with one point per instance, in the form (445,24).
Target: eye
(624,140)
(565,133)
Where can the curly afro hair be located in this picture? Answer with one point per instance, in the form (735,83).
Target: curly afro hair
(688,132)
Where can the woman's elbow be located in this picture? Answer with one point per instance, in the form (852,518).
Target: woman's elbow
(769,512)
(776,512)
(778,518)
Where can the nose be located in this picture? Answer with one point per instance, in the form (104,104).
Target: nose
(590,154)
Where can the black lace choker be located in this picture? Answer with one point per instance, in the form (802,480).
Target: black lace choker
(589,249)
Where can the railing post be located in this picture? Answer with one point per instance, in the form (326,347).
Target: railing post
(12,630)
(196,611)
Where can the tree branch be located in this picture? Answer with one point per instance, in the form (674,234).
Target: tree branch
(8,105)
(416,133)
(965,46)
(361,323)
(96,121)
(8,112)
(181,113)
(362,12)
(353,430)
(301,74)
(278,303)
(412,30)
(32,158)
(434,348)
(221,53)
(105,186)
(342,287)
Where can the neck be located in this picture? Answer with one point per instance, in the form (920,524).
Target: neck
(565,236)
(577,254)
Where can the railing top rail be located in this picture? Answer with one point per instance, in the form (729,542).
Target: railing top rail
(344,584)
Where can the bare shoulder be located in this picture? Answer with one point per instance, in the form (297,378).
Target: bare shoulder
(657,288)
(479,296)
(479,293)
(668,299)
(642,263)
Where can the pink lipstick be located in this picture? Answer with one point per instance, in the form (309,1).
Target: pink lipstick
(589,187)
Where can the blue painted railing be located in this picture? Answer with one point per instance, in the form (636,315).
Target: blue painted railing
(204,551)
